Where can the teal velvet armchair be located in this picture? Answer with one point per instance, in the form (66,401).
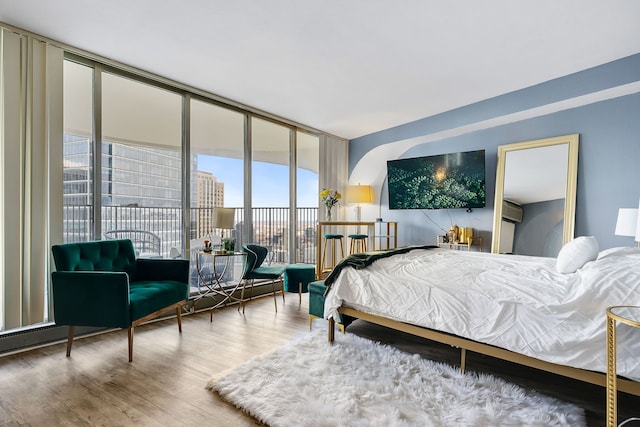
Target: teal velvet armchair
(101,283)
(253,269)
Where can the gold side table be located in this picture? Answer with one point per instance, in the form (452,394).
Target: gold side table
(212,280)
(629,315)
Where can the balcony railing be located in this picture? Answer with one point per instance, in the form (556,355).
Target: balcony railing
(271,228)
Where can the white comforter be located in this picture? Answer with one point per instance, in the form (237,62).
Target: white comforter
(518,303)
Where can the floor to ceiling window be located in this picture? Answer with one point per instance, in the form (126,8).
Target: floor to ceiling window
(141,179)
(78,152)
(217,167)
(270,148)
(141,193)
(217,183)
(307,169)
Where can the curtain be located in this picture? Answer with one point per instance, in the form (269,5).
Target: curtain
(31,172)
(334,165)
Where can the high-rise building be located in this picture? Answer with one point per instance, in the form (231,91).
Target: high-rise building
(209,195)
(141,190)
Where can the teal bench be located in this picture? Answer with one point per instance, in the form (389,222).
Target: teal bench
(316,305)
(102,284)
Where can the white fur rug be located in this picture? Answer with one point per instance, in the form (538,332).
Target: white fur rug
(357,382)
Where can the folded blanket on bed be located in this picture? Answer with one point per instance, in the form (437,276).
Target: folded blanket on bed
(362,260)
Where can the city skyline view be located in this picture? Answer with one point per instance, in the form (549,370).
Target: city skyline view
(269,189)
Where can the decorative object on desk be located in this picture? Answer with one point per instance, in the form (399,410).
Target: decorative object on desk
(207,246)
(229,244)
(465,235)
(350,383)
(452,234)
(359,194)
(329,199)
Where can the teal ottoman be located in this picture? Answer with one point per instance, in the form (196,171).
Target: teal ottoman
(297,278)
(316,303)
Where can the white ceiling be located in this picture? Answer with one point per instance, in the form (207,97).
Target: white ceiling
(347,67)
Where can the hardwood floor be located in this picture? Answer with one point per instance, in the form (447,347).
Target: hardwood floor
(164,385)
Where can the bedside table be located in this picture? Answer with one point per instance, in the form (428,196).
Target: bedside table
(629,315)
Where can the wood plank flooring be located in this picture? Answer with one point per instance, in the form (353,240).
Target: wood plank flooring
(164,385)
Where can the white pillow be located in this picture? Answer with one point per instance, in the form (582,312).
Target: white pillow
(618,252)
(577,253)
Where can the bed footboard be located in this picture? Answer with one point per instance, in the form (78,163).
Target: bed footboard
(625,385)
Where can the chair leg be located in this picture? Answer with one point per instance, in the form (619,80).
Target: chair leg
(299,293)
(323,257)
(273,289)
(241,302)
(69,340)
(179,316)
(333,253)
(130,334)
(250,295)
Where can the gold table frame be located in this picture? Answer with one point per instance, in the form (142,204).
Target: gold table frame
(213,286)
(629,315)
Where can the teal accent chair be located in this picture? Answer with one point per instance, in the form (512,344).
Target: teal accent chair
(102,284)
(253,269)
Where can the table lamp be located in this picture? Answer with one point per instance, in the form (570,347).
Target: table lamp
(627,223)
(359,194)
(224,219)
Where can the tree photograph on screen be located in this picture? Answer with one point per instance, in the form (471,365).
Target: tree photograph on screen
(444,181)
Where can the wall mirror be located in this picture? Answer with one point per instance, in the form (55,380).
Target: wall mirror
(535,201)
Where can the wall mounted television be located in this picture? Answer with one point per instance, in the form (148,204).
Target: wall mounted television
(444,181)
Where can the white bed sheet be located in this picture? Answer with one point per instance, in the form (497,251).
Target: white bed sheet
(519,303)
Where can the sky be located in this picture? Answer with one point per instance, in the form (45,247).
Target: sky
(270,182)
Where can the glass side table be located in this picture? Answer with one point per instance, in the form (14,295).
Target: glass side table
(629,315)
(212,281)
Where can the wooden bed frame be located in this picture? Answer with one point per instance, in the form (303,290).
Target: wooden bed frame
(625,385)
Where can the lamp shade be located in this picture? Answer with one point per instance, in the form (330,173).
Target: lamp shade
(627,224)
(224,218)
(359,194)
(638,224)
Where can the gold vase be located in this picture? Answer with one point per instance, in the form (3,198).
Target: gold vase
(466,235)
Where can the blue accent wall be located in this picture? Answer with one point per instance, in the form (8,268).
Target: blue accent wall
(609,154)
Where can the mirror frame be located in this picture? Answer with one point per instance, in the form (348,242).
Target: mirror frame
(570,191)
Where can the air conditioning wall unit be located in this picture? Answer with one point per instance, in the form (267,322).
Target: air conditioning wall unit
(511,211)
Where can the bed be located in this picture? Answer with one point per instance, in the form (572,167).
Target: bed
(517,308)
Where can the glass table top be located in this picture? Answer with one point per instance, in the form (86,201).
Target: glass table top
(627,314)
